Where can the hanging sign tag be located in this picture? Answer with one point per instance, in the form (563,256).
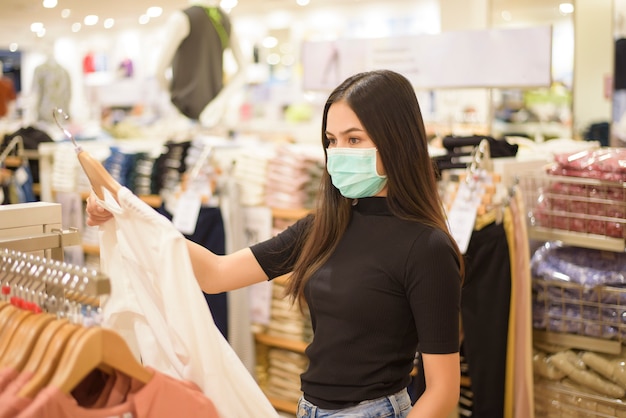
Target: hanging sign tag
(186,213)
(462,215)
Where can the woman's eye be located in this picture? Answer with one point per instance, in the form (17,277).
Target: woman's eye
(331,141)
(353,141)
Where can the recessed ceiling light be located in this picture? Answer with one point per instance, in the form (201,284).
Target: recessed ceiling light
(76,27)
(144,19)
(108,23)
(49,4)
(154,11)
(270,42)
(228,4)
(302,2)
(65,13)
(90,20)
(36,26)
(566,8)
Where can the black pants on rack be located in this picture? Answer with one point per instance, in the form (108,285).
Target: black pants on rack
(485,304)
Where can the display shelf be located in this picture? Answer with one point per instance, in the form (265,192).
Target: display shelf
(283,405)
(579,342)
(279,342)
(577,239)
(91,249)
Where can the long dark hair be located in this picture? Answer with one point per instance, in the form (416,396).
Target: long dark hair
(386,105)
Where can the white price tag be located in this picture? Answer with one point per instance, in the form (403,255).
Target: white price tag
(462,215)
(185,216)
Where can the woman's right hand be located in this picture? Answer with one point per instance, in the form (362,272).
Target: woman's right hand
(96,214)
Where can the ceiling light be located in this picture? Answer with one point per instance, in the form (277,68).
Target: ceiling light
(228,4)
(108,23)
(36,26)
(302,2)
(13,47)
(49,4)
(90,20)
(76,27)
(41,32)
(270,42)
(566,8)
(273,59)
(65,13)
(143,19)
(154,11)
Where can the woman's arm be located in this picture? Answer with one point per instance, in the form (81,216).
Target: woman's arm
(443,382)
(214,273)
(221,273)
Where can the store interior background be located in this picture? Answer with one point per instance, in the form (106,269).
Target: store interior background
(271,35)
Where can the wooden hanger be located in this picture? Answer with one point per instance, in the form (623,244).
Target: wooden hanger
(24,340)
(32,360)
(98,176)
(11,327)
(5,314)
(49,362)
(96,348)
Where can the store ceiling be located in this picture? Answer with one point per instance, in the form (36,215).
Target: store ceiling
(17,15)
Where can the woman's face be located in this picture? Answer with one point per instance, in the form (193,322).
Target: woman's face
(344,130)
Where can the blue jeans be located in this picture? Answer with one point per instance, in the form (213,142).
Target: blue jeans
(397,405)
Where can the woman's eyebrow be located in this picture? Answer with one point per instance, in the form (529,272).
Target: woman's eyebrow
(347,131)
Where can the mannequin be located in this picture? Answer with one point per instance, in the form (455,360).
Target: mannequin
(197,97)
(51,88)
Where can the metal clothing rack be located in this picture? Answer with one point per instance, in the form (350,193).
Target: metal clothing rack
(50,284)
(36,227)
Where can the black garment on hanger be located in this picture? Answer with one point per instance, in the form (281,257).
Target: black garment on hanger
(619,65)
(460,147)
(31,138)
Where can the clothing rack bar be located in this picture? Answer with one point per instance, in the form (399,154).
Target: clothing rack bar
(60,278)
(57,239)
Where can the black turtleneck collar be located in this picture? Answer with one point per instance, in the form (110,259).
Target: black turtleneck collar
(372,206)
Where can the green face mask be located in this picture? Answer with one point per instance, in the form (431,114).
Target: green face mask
(353,172)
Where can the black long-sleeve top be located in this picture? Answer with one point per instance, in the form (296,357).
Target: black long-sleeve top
(390,288)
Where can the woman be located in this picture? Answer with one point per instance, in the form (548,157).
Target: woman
(375,264)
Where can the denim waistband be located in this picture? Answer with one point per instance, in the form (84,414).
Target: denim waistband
(396,405)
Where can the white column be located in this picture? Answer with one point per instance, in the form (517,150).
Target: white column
(593,62)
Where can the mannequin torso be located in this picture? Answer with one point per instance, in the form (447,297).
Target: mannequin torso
(177,31)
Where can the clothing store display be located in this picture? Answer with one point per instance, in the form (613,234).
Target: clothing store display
(358,309)
(293,175)
(31,138)
(194,86)
(52,88)
(157,306)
